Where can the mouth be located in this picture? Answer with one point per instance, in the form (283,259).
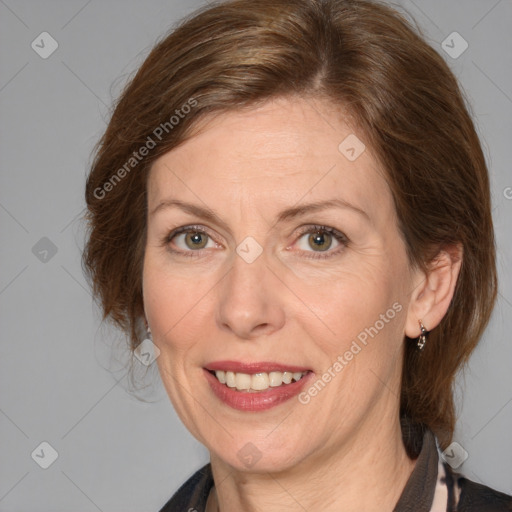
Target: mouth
(256,382)
(255,386)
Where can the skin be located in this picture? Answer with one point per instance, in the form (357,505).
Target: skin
(287,306)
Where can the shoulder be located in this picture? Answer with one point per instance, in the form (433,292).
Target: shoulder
(193,493)
(464,495)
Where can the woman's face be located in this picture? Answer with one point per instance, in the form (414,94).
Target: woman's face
(273,249)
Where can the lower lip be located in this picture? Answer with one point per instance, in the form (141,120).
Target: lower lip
(257,401)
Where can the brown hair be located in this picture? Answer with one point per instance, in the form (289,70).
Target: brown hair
(360,55)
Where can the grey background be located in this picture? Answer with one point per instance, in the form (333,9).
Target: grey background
(62,374)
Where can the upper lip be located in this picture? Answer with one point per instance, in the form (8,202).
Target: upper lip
(256,367)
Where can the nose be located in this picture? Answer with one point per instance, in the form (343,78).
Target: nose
(249,300)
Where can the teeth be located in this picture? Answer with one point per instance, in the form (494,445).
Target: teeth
(275,378)
(242,381)
(257,381)
(260,381)
(230,379)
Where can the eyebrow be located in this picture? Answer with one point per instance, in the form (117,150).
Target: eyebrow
(199,211)
(297,211)
(285,215)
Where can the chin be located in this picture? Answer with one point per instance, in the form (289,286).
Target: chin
(261,452)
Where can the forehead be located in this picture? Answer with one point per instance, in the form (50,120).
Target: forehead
(282,152)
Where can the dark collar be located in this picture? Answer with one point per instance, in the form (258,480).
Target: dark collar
(418,493)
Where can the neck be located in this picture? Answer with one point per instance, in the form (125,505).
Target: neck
(368,472)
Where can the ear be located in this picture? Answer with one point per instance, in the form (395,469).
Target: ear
(433,291)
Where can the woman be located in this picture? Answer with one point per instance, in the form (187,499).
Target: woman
(291,199)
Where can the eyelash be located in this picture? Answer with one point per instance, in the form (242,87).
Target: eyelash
(312,228)
(184,229)
(320,255)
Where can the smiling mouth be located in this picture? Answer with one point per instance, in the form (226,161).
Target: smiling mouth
(256,382)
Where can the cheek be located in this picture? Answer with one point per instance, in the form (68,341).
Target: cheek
(345,303)
(174,302)
(174,310)
(356,328)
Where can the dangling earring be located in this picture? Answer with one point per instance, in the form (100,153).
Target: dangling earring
(146,352)
(422,339)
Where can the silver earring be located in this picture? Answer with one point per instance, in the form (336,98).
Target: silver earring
(146,352)
(148,331)
(422,339)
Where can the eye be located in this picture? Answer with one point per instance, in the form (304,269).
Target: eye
(318,241)
(189,238)
(321,239)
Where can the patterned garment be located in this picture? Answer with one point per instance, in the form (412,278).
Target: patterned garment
(432,487)
(455,493)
